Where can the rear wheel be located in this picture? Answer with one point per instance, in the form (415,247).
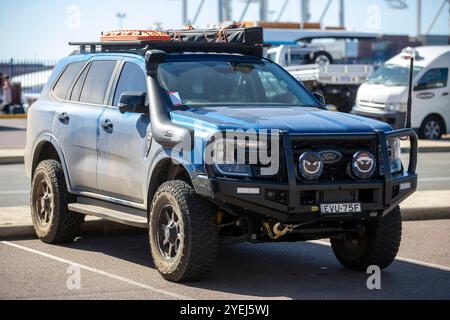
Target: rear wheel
(432,128)
(377,244)
(183,232)
(322,58)
(52,220)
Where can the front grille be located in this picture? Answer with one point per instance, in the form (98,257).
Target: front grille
(369,104)
(347,148)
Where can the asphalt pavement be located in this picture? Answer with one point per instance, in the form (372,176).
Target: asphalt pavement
(120,267)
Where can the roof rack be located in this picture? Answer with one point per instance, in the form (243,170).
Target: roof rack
(246,41)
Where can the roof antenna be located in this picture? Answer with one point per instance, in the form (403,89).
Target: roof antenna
(410,85)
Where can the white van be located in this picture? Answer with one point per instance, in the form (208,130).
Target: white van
(384,96)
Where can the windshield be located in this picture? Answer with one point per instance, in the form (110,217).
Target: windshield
(228,83)
(392,75)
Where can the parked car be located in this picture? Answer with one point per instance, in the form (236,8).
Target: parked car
(146,131)
(384,96)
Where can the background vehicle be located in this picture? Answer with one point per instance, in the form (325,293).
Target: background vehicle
(384,96)
(124,133)
(325,61)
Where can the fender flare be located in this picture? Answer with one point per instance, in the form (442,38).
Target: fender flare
(39,143)
(163,155)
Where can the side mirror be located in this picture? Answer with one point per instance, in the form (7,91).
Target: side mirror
(319,97)
(133,101)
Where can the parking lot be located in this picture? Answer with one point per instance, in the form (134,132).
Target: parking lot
(119,267)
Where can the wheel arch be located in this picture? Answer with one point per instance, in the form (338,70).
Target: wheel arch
(167,168)
(47,148)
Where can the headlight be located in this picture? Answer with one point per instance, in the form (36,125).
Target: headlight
(234,157)
(395,155)
(397,107)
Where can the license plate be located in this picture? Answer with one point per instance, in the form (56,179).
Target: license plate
(332,208)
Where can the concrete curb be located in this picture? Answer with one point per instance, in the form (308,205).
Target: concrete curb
(11,160)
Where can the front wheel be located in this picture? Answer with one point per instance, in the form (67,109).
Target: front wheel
(376,244)
(183,232)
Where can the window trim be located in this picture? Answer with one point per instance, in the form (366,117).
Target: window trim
(119,69)
(55,83)
(89,62)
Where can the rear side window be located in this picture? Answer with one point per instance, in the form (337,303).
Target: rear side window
(97,82)
(66,79)
(132,78)
(76,91)
(433,79)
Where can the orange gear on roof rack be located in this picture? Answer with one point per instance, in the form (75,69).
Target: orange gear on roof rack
(130,35)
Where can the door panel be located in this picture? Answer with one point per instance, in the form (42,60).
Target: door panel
(123,143)
(75,127)
(431,96)
(122,150)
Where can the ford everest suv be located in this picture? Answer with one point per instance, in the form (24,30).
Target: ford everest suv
(195,136)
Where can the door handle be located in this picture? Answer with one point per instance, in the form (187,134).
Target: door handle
(107,124)
(445,93)
(63,117)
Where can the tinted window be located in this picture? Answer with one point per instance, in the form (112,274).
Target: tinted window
(97,81)
(432,79)
(132,78)
(66,79)
(75,96)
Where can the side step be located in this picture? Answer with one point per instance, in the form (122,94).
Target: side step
(110,214)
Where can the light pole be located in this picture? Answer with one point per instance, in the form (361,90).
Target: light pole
(121,16)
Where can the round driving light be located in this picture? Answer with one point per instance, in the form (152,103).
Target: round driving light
(363,164)
(310,165)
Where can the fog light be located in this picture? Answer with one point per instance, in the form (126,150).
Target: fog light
(363,165)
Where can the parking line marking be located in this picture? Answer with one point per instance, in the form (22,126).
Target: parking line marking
(100,272)
(414,261)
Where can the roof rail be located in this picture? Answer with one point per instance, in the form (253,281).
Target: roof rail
(246,41)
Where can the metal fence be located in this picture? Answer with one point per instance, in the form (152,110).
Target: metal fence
(30,74)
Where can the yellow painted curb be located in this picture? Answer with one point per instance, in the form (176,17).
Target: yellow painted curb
(13,116)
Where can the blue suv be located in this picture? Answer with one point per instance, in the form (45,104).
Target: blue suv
(201,140)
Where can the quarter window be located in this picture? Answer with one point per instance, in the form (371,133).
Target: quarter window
(132,78)
(433,79)
(97,82)
(66,79)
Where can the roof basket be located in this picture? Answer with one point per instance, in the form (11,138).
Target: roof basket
(247,41)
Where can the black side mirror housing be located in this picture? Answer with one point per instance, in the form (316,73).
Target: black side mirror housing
(319,97)
(133,101)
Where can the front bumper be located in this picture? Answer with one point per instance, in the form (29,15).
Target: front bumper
(380,195)
(395,119)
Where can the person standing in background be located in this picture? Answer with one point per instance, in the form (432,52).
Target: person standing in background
(7,95)
(1,89)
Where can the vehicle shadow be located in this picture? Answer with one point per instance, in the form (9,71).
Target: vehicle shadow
(285,270)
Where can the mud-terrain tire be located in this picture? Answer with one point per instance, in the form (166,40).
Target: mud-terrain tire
(183,232)
(377,245)
(52,220)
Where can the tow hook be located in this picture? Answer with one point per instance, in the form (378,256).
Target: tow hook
(275,232)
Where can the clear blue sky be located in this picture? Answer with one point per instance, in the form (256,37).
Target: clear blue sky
(42,28)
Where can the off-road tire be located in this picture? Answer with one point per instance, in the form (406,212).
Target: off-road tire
(378,245)
(197,252)
(63,225)
(433,121)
